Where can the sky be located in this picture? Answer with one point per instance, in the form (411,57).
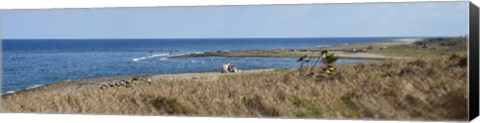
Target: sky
(259,21)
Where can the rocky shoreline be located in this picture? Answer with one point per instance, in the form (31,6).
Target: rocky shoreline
(353,51)
(122,81)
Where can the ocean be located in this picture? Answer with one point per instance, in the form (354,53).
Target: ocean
(33,62)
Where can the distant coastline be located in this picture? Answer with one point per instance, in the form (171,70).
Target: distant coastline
(100,81)
(86,58)
(297,52)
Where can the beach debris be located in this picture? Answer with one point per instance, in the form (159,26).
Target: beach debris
(229,68)
(225,68)
(233,68)
(126,82)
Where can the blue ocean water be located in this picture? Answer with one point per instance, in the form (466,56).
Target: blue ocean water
(31,62)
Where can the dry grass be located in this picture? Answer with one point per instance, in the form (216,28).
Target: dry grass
(416,89)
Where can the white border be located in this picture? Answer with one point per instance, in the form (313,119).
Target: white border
(56,4)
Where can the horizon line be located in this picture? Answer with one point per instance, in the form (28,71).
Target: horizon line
(222,38)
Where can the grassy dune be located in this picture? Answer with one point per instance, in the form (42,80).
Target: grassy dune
(433,87)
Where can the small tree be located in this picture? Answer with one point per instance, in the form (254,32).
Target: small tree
(323,53)
(304,59)
(329,60)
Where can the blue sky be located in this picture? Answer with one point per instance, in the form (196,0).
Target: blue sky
(314,20)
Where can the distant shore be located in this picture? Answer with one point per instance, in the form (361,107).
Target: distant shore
(349,51)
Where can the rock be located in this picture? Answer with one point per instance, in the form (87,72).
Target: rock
(229,68)
(232,68)
(225,68)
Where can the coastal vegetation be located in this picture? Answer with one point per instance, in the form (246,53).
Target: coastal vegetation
(435,46)
(403,86)
(390,49)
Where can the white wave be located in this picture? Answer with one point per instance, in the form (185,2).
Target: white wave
(35,86)
(150,56)
(193,61)
(163,59)
(8,92)
(157,55)
(138,59)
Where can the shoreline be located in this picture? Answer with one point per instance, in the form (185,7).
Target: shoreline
(97,82)
(356,90)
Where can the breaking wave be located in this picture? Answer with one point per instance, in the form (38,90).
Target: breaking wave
(193,61)
(150,56)
(35,86)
